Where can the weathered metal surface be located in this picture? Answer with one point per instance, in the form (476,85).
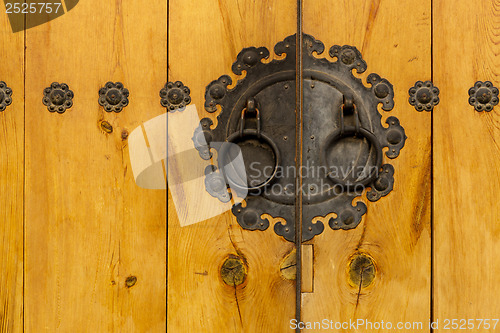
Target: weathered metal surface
(58,98)
(5,95)
(483,96)
(343,137)
(113,97)
(175,96)
(424,96)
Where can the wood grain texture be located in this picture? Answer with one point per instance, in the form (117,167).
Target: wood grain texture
(394,38)
(11,180)
(204,40)
(466,163)
(90,231)
(307,285)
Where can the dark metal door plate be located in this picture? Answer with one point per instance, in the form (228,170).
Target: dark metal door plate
(343,137)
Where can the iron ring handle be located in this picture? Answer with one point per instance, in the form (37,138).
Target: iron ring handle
(347,130)
(238,136)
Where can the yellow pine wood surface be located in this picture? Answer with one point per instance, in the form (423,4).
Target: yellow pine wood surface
(204,40)
(394,38)
(466,164)
(89,229)
(11,180)
(89,253)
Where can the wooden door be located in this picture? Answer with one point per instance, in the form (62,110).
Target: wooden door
(84,249)
(94,242)
(380,271)
(204,39)
(12,180)
(466,166)
(395,234)
(397,265)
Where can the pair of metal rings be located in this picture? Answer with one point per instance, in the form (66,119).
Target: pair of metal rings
(346,131)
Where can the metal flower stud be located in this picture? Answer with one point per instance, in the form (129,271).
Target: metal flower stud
(174,96)
(113,97)
(424,96)
(5,95)
(483,96)
(57,97)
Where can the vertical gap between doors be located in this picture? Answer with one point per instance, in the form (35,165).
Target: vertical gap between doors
(298,164)
(166,167)
(24,173)
(432,176)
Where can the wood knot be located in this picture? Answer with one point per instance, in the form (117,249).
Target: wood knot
(233,271)
(288,267)
(130,281)
(106,127)
(361,270)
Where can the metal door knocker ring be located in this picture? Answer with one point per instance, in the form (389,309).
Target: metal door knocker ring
(347,131)
(234,177)
(356,131)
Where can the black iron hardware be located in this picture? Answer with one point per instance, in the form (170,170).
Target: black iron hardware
(57,97)
(113,97)
(424,96)
(343,137)
(483,96)
(5,96)
(175,96)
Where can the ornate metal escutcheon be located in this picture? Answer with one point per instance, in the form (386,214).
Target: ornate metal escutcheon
(342,137)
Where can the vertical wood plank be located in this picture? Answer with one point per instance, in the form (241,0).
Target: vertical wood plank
(466,164)
(95,242)
(204,40)
(393,238)
(11,179)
